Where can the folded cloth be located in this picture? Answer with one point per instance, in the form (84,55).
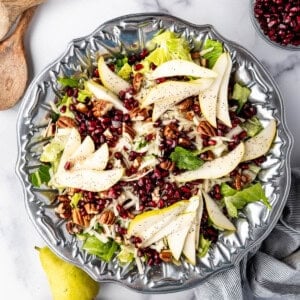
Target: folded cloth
(272,270)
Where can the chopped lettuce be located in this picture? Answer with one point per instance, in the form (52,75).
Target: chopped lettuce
(65,101)
(125,71)
(204,245)
(105,251)
(168,46)
(51,151)
(83,94)
(252,126)
(240,94)
(140,144)
(120,62)
(185,159)
(235,200)
(67,81)
(40,176)
(216,50)
(126,255)
(75,199)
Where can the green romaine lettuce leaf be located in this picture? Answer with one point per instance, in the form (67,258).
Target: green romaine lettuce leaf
(83,94)
(40,176)
(204,245)
(168,46)
(75,199)
(67,81)
(125,71)
(126,255)
(253,126)
(235,200)
(185,159)
(213,55)
(51,151)
(240,94)
(105,251)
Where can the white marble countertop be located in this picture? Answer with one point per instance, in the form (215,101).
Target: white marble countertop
(53,26)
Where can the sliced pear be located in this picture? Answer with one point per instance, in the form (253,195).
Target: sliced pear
(72,144)
(192,238)
(222,103)
(149,223)
(176,240)
(173,226)
(216,215)
(175,91)
(180,67)
(96,161)
(86,148)
(89,180)
(102,93)
(216,168)
(260,144)
(110,79)
(208,98)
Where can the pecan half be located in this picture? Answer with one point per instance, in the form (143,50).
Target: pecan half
(137,81)
(65,122)
(171,131)
(205,128)
(186,104)
(91,208)
(79,219)
(73,228)
(167,165)
(237,182)
(101,107)
(107,217)
(189,115)
(138,114)
(184,142)
(63,198)
(165,255)
(127,129)
(63,209)
(81,107)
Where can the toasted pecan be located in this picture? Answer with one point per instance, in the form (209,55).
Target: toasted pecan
(137,82)
(205,128)
(107,217)
(101,107)
(65,122)
(165,255)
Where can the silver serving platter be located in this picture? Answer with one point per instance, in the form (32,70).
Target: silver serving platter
(128,34)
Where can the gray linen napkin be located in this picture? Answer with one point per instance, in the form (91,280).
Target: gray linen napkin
(271,271)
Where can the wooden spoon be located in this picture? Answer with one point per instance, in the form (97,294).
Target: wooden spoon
(13,66)
(9,12)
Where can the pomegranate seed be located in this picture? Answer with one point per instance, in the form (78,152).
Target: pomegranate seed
(278,20)
(143,54)
(212,142)
(67,165)
(63,109)
(160,80)
(138,67)
(160,203)
(118,155)
(96,73)
(152,66)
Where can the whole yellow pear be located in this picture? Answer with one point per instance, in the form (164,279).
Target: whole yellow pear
(67,281)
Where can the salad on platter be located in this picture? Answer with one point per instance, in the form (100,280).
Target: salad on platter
(155,153)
